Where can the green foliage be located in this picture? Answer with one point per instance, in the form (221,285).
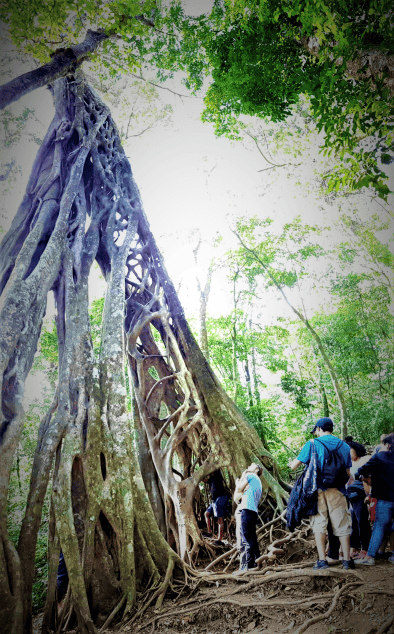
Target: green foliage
(263,56)
(291,384)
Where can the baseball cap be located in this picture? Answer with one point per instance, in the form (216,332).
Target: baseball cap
(325,424)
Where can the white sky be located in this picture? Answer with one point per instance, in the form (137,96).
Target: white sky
(189,179)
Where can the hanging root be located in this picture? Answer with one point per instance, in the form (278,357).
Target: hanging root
(160,593)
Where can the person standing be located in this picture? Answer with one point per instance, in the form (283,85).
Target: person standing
(331,500)
(219,506)
(381,469)
(355,493)
(248,493)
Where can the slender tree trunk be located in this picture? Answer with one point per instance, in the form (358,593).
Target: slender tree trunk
(248,386)
(326,409)
(330,368)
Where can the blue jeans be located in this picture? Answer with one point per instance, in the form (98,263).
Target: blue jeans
(249,545)
(383,518)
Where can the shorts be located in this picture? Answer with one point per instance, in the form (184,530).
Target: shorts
(332,504)
(219,508)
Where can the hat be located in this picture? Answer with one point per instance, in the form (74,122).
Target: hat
(325,424)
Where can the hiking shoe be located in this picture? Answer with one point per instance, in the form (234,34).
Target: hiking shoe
(348,564)
(240,571)
(365,562)
(320,564)
(391,559)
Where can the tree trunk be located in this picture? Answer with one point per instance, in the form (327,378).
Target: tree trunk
(330,368)
(190,422)
(100,515)
(82,204)
(326,409)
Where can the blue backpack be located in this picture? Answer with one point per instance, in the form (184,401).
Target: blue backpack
(334,472)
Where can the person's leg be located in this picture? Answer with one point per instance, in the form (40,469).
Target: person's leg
(333,544)
(383,517)
(207,516)
(319,525)
(364,527)
(355,543)
(340,518)
(321,545)
(248,523)
(220,507)
(345,543)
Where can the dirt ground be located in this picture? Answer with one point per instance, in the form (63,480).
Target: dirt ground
(364,609)
(285,596)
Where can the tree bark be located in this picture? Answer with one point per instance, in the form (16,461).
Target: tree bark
(100,515)
(81,205)
(63,62)
(190,422)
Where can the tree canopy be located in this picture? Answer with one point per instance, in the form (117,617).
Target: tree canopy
(260,58)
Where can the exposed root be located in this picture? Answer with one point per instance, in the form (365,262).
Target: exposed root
(114,612)
(259,578)
(325,615)
(386,625)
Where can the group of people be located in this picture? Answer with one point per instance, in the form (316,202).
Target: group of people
(342,511)
(353,488)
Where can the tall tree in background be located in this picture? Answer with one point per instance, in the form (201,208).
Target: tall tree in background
(272,258)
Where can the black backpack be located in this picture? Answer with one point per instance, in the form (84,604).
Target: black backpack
(334,472)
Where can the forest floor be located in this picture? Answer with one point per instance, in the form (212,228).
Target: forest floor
(283,605)
(284,596)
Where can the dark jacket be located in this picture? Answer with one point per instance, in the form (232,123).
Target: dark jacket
(381,469)
(301,504)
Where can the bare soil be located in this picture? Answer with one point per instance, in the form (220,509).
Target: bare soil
(285,596)
(364,609)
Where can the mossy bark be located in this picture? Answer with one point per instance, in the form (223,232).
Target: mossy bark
(100,515)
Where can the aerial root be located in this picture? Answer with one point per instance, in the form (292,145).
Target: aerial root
(160,593)
(386,625)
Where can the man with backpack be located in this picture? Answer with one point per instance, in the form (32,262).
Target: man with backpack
(333,470)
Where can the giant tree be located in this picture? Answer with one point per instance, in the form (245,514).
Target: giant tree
(82,205)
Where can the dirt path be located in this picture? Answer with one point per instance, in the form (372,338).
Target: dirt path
(282,605)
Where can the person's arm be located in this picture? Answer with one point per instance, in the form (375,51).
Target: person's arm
(240,486)
(369,467)
(302,458)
